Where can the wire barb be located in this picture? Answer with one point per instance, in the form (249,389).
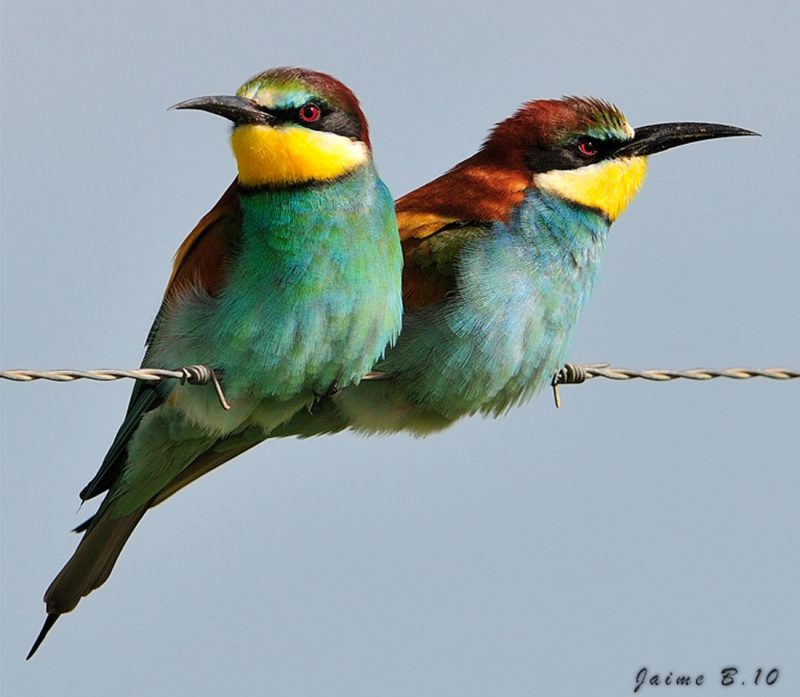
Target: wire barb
(571,374)
(202,375)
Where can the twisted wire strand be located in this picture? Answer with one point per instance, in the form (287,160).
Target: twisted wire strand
(575,374)
(192,374)
(570,374)
(102,374)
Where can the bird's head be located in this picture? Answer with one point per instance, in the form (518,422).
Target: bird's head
(584,151)
(292,126)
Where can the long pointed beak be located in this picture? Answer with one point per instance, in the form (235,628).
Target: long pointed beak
(237,109)
(649,140)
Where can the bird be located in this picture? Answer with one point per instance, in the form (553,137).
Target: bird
(288,287)
(501,253)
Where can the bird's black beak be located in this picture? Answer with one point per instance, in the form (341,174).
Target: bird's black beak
(649,140)
(240,110)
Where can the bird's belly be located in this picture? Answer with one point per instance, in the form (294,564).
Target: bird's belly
(272,360)
(485,350)
(460,375)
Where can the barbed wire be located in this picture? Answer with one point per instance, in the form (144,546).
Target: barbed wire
(195,375)
(570,374)
(192,374)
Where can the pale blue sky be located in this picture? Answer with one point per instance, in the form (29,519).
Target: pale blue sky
(543,553)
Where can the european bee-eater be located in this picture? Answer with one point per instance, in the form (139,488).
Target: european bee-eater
(288,286)
(501,254)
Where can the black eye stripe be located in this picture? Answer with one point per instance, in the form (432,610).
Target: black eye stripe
(569,155)
(330,120)
(597,148)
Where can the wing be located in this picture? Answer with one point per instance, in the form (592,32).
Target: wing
(200,261)
(323,418)
(223,450)
(439,218)
(218,454)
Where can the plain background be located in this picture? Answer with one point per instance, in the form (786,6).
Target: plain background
(542,553)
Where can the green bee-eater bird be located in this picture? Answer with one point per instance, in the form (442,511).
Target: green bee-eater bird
(288,286)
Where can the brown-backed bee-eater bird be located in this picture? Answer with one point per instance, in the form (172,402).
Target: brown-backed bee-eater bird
(288,286)
(501,254)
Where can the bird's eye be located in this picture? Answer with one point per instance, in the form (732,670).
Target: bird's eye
(587,147)
(309,113)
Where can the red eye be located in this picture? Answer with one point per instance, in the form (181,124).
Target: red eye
(587,148)
(309,113)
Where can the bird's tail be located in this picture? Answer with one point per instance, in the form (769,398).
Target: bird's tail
(89,566)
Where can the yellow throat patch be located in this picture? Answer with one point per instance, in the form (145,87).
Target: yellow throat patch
(289,155)
(606,186)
